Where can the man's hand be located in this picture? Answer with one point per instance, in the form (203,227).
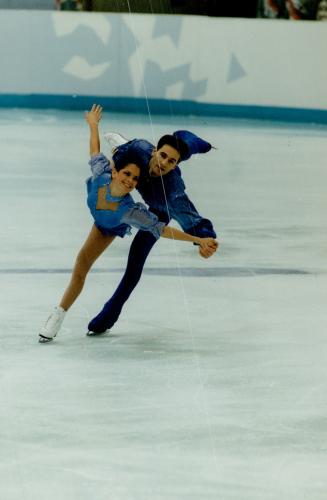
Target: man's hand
(208,246)
(94,116)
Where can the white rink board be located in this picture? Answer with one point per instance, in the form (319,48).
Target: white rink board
(179,58)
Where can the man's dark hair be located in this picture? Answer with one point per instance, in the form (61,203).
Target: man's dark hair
(172,141)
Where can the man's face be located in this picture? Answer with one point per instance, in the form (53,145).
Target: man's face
(163,160)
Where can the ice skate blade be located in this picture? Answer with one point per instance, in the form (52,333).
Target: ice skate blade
(96,334)
(44,340)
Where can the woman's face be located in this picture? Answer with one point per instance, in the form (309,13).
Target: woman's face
(126,179)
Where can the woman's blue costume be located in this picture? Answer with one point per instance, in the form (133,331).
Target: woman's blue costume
(128,213)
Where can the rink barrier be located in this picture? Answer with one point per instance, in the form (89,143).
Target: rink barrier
(261,69)
(164,107)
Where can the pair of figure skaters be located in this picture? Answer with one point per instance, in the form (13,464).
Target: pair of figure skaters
(156,175)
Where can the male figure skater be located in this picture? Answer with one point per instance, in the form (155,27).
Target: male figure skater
(162,188)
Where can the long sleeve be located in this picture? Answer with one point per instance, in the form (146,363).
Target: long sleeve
(187,216)
(141,218)
(182,209)
(99,165)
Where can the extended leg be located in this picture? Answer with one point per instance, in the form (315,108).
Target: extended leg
(93,247)
(139,251)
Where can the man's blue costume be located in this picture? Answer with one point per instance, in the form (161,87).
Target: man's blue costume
(167,199)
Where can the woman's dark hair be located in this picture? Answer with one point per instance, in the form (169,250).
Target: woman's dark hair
(172,141)
(123,159)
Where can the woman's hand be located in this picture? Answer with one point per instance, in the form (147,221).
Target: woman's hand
(208,246)
(94,116)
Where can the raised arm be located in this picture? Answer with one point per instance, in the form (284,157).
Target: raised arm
(93,117)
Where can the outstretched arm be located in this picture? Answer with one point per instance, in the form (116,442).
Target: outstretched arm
(93,117)
(207,245)
(185,213)
(142,218)
(183,210)
(187,216)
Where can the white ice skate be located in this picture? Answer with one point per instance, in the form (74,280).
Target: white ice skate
(114,140)
(52,325)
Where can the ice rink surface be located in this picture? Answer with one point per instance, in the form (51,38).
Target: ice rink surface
(213,383)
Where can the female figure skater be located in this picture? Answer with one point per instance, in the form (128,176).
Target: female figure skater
(114,212)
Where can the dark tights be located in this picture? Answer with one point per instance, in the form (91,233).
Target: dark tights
(138,253)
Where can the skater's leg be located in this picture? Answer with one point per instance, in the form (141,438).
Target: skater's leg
(93,247)
(139,251)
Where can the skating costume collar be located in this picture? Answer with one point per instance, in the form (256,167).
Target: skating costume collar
(109,197)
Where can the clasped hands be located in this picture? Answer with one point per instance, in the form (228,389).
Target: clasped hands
(207,247)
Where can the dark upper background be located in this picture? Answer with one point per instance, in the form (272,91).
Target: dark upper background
(284,9)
